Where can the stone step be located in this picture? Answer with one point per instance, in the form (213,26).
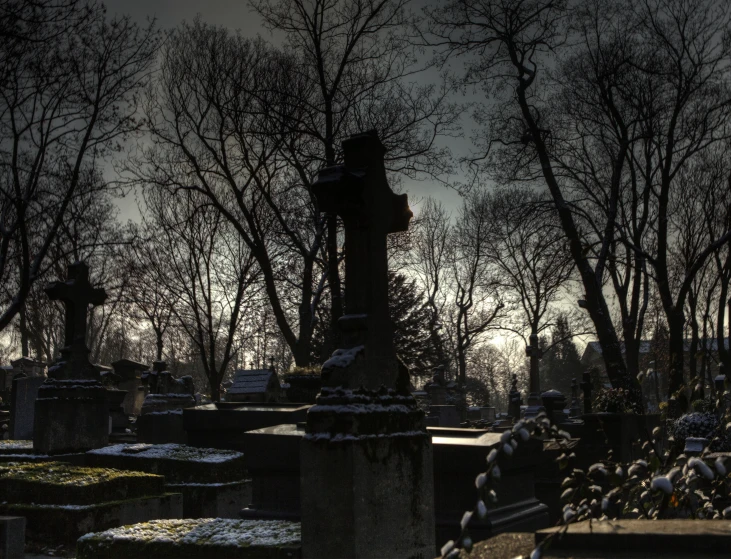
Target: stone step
(214,538)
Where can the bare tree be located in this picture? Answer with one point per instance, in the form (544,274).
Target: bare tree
(504,44)
(478,300)
(529,249)
(67,97)
(362,69)
(215,114)
(210,276)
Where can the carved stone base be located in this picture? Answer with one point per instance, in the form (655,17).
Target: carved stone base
(367,482)
(70,416)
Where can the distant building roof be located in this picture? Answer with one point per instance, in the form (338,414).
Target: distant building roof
(252,381)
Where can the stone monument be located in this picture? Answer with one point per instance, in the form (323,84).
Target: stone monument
(366,458)
(71,409)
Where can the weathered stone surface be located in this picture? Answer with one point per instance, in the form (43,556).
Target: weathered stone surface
(70,416)
(62,502)
(178,463)
(54,483)
(211,481)
(366,468)
(368,497)
(22,406)
(204,538)
(12,537)
(56,524)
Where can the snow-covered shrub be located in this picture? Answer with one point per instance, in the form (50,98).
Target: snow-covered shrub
(705,425)
(615,400)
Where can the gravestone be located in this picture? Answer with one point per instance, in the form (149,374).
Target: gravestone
(366,458)
(255,385)
(71,412)
(130,374)
(22,406)
(162,410)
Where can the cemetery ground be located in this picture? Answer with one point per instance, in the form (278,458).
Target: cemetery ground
(367,467)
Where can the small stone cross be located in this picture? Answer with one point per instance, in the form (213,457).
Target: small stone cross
(359,193)
(586,387)
(76,293)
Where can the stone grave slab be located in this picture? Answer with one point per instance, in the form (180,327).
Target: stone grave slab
(223,424)
(62,502)
(214,538)
(22,407)
(213,482)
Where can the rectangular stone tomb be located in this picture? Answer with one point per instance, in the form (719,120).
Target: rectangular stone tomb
(204,538)
(213,482)
(62,502)
(459,456)
(223,424)
(617,538)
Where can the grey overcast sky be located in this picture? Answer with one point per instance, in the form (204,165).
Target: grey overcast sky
(236,15)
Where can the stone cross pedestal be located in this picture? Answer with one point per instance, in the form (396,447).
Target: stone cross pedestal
(366,458)
(71,411)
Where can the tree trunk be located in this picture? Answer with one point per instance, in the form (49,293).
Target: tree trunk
(332,341)
(676,321)
(24,332)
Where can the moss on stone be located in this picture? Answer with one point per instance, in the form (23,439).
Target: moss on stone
(200,538)
(56,483)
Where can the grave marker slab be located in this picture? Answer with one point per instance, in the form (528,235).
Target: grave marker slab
(22,406)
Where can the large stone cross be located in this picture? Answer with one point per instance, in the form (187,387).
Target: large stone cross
(359,193)
(76,293)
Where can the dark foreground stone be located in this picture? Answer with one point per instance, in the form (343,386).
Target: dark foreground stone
(214,538)
(666,538)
